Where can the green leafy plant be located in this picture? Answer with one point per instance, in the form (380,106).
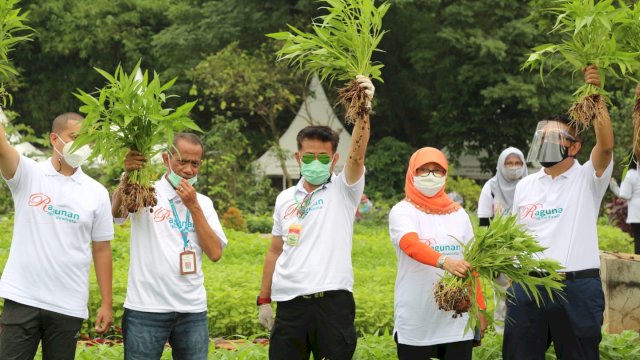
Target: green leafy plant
(588,37)
(13,31)
(340,47)
(128,113)
(502,247)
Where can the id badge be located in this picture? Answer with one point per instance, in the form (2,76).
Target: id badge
(187,262)
(293,238)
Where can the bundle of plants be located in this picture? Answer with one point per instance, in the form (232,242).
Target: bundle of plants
(587,33)
(130,114)
(12,32)
(340,46)
(504,247)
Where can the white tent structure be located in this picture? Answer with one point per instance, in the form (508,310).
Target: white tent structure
(315,110)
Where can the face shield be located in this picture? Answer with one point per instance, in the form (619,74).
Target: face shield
(550,143)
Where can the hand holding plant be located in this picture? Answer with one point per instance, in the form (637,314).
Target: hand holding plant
(128,115)
(340,47)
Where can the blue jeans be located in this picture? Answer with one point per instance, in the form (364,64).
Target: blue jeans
(145,335)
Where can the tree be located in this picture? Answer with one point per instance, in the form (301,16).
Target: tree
(241,84)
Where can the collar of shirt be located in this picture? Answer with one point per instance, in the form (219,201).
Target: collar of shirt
(567,174)
(49,170)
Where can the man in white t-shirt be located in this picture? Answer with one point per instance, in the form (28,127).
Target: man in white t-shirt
(559,205)
(166,299)
(62,219)
(308,269)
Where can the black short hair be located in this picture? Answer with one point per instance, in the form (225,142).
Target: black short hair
(59,124)
(567,121)
(188,137)
(318,132)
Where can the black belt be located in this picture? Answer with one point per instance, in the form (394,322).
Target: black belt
(571,275)
(318,295)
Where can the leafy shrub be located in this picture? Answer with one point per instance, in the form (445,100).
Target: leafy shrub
(387,163)
(259,224)
(233,219)
(611,238)
(467,188)
(616,210)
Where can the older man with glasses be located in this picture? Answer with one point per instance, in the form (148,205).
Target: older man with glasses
(166,299)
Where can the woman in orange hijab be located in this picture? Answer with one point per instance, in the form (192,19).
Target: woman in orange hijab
(426,229)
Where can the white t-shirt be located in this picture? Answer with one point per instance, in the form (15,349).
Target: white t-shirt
(417,319)
(488,205)
(321,260)
(56,218)
(630,190)
(155,283)
(563,213)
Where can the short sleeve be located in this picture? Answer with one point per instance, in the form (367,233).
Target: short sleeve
(214,221)
(353,192)
(102,227)
(485,203)
(600,183)
(626,187)
(401,222)
(276,229)
(26,167)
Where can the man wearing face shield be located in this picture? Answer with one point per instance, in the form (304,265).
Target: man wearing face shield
(62,220)
(308,270)
(496,197)
(559,205)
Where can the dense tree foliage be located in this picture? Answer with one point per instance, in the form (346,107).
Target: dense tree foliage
(452,67)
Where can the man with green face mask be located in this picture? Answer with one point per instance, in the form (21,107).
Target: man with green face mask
(308,270)
(166,299)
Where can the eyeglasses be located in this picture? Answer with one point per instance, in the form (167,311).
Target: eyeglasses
(194,163)
(324,158)
(436,172)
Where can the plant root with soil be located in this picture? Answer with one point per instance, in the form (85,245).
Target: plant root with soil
(354,99)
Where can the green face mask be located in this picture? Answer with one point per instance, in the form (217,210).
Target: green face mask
(175,179)
(316,173)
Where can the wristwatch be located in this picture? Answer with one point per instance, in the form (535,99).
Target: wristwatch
(262,301)
(441,260)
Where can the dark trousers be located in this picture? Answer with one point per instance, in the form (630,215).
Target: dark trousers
(22,327)
(573,324)
(461,350)
(322,325)
(635,229)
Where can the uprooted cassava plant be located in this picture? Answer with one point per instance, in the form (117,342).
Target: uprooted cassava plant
(128,113)
(339,47)
(504,247)
(588,34)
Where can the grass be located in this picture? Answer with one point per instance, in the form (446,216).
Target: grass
(233,283)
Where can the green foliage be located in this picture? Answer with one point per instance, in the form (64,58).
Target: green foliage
(128,113)
(467,188)
(387,162)
(13,31)
(588,31)
(505,247)
(342,42)
(611,238)
(259,224)
(227,176)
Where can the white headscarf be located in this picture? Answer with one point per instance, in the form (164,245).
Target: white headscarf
(501,187)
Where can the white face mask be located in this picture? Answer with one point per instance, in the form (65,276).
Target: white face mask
(513,173)
(429,185)
(77,158)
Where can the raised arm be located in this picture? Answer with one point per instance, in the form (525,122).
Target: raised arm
(354,166)
(603,150)
(9,156)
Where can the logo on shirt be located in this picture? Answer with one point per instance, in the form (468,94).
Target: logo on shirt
(450,249)
(292,210)
(161,214)
(44,201)
(538,212)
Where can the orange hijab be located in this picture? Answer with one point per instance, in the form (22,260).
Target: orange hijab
(440,203)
